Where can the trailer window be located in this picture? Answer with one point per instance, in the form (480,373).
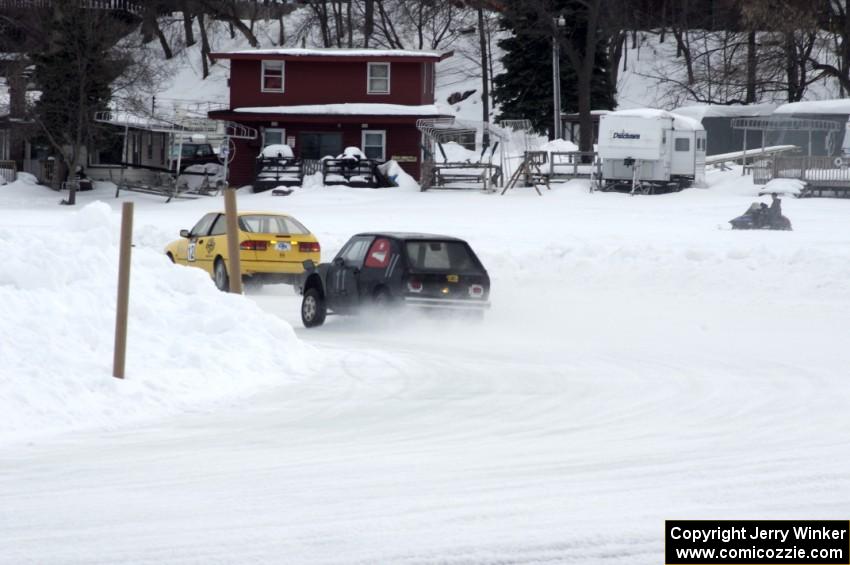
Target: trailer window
(683,144)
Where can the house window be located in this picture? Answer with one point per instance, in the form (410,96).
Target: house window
(272,76)
(682,144)
(274,136)
(378,78)
(375,144)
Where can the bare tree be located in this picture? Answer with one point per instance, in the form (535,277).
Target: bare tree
(228,11)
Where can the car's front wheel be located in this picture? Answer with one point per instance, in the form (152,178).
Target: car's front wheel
(313,308)
(222,281)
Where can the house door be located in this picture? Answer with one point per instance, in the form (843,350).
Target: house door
(274,136)
(315,145)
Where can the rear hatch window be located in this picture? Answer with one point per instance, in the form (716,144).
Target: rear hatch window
(453,256)
(260,223)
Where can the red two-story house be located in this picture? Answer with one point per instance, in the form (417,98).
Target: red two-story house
(320,101)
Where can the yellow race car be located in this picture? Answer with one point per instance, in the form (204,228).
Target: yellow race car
(272,247)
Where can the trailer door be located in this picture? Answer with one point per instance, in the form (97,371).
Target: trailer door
(683,154)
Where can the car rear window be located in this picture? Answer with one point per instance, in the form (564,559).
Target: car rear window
(259,223)
(440,256)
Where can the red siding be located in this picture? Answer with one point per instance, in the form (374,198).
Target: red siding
(402,140)
(329,83)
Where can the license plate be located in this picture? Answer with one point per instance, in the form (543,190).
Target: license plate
(284,246)
(452,278)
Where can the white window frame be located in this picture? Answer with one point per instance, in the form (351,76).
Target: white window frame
(383,134)
(282,135)
(369,78)
(263,76)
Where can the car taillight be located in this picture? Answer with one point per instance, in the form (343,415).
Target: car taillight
(414,285)
(309,247)
(476,290)
(253,245)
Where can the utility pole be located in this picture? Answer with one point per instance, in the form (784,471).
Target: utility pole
(485,79)
(556,78)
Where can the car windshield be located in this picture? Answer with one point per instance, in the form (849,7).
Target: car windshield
(191,150)
(261,223)
(441,256)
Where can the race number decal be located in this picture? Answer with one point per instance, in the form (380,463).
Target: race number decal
(190,252)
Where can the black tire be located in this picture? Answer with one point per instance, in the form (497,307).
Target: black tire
(313,308)
(382,299)
(170,257)
(222,281)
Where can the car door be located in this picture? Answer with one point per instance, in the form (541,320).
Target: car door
(197,237)
(214,245)
(343,277)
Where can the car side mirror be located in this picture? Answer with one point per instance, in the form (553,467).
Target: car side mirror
(309,265)
(185,233)
(339,261)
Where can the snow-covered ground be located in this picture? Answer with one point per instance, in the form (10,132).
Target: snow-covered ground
(641,362)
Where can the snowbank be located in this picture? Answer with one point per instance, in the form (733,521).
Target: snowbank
(333,52)
(393,171)
(680,122)
(559,146)
(788,187)
(277,150)
(835,106)
(346,109)
(700,111)
(352,153)
(189,344)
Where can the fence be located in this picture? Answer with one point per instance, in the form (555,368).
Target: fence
(312,166)
(8,171)
(574,165)
(819,173)
(42,170)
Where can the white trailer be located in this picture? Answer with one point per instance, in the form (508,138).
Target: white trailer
(651,151)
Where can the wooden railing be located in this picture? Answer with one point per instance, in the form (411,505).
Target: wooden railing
(573,164)
(8,171)
(814,171)
(311,166)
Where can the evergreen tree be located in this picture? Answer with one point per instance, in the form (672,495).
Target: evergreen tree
(74,73)
(524,89)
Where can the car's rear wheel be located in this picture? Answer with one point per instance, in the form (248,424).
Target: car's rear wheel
(222,281)
(382,298)
(313,308)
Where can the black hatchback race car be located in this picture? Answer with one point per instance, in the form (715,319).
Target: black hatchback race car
(390,268)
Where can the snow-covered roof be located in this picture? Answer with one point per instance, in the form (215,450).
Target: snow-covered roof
(364,109)
(700,111)
(835,106)
(294,53)
(679,122)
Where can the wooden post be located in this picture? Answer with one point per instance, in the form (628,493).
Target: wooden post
(233,241)
(121,310)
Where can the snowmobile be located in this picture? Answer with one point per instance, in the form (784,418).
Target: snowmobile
(760,216)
